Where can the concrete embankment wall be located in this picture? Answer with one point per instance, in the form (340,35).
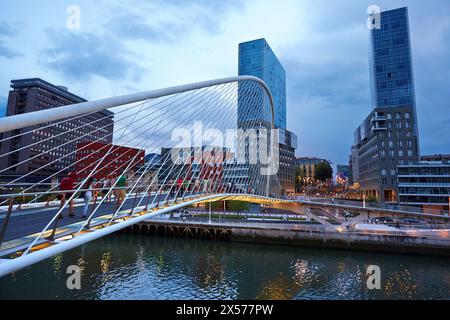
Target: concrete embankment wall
(344,240)
(304,236)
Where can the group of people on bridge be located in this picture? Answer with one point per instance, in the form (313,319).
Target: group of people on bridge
(90,189)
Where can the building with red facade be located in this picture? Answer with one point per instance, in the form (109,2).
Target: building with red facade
(117,160)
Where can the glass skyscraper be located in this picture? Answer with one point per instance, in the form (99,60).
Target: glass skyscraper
(389,136)
(391,61)
(256,58)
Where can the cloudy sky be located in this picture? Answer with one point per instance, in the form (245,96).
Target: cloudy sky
(126,46)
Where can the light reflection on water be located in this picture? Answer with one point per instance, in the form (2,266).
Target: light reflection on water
(141,267)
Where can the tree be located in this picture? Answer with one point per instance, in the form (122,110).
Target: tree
(323,172)
(299,178)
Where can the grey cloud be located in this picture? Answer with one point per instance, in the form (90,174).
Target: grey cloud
(196,14)
(7,52)
(80,56)
(337,83)
(132,26)
(9,30)
(326,104)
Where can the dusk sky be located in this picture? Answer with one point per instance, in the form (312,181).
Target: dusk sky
(130,46)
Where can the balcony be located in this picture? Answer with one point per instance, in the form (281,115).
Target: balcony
(378,127)
(378,118)
(423,185)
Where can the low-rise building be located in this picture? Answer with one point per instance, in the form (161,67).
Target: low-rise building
(425,183)
(307,167)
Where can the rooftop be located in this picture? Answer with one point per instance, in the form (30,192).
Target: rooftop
(58,90)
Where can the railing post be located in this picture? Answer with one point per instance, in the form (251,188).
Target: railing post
(134,203)
(6,221)
(148,200)
(52,236)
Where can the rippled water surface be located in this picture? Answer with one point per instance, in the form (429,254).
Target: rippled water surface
(141,267)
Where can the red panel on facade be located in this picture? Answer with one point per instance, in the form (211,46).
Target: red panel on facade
(118,158)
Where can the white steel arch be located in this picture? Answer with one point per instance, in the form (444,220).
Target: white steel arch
(54,114)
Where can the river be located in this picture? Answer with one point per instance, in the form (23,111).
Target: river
(125,266)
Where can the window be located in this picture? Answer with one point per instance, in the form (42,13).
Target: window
(407,115)
(393,172)
(400,153)
(383,172)
(389,116)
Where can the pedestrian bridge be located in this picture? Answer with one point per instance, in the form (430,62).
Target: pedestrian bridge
(116,162)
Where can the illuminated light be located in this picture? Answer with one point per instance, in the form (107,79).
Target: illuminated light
(41,246)
(70,237)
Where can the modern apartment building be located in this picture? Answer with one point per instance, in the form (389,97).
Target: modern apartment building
(388,137)
(425,183)
(38,159)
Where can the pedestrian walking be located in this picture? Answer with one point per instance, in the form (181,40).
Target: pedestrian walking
(87,195)
(121,189)
(67,190)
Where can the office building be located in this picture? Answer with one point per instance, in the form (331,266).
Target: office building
(425,183)
(53,156)
(388,136)
(354,164)
(286,172)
